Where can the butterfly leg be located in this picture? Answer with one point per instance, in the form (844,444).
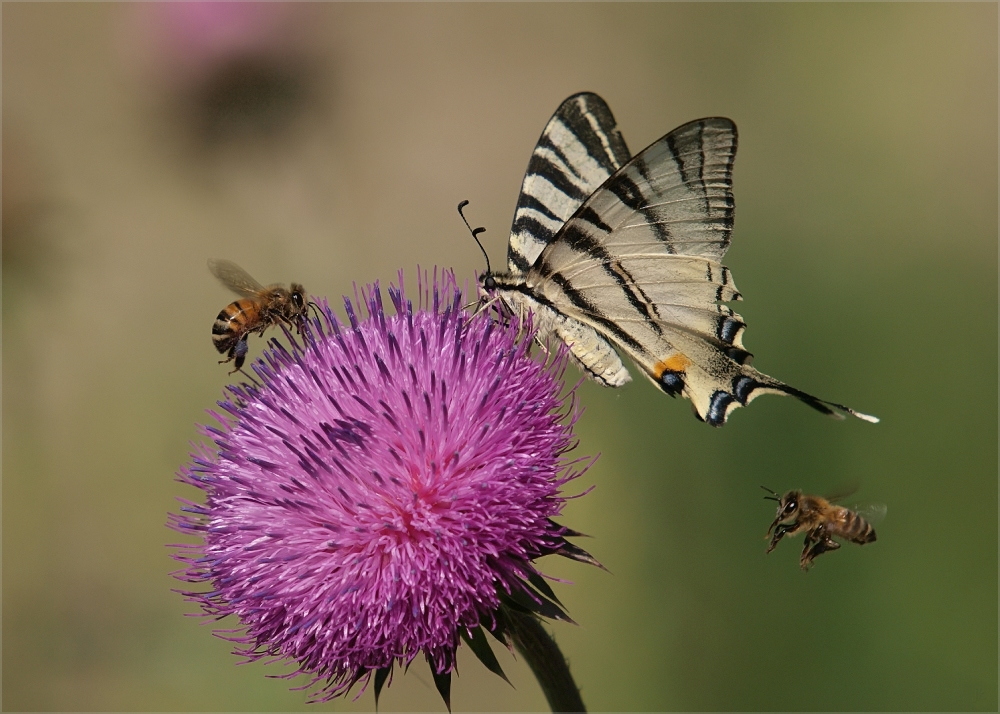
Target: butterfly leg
(542,345)
(522,314)
(482,306)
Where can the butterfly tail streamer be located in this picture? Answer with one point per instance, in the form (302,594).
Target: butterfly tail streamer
(831,409)
(750,384)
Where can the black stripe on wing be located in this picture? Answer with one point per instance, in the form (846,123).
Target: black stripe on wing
(607,327)
(703,152)
(677,191)
(685,177)
(584,242)
(577,151)
(681,185)
(630,193)
(590,120)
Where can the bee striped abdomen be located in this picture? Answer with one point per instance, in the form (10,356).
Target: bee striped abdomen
(231,323)
(857,529)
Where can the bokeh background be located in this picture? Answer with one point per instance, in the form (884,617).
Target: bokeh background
(330,143)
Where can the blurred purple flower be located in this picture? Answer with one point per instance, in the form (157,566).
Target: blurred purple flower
(384,492)
(227,71)
(185,41)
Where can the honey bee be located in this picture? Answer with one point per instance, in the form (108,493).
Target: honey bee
(820,519)
(259,308)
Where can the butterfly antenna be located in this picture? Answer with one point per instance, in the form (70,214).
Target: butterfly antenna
(475,234)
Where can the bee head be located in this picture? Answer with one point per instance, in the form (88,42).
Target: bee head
(297,297)
(788,507)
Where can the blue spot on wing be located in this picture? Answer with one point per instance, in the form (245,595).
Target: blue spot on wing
(671,382)
(717,407)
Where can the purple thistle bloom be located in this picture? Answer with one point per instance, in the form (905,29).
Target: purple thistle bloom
(384,492)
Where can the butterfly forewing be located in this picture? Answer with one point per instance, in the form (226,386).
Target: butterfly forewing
(677,192)
(674,198)
(578,150)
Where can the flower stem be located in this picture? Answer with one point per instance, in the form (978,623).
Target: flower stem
(542,654)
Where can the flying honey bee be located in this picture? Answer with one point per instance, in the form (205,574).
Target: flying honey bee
(259,308)
(821,520)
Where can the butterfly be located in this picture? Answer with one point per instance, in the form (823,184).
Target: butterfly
(613,253)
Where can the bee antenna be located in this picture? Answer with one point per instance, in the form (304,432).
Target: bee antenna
(773,496)
(475,234)
(315,308)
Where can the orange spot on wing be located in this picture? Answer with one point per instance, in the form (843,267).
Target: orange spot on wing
(674,363)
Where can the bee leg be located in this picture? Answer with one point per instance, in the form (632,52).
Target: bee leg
(806,559)
(239,353)
(297,325)
(779,533)
(823,543)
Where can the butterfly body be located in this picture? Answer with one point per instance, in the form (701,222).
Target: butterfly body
(618,254)
(588,348)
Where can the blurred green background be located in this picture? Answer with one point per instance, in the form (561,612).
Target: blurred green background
(330,143)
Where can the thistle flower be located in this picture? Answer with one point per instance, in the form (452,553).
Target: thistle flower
(384,492)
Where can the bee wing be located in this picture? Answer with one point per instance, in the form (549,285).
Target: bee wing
(842,492)
(235,278)
(874,513)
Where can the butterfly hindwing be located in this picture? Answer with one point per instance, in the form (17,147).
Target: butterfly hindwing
(636,266)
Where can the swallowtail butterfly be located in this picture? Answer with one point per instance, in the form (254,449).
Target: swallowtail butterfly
(610,251)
